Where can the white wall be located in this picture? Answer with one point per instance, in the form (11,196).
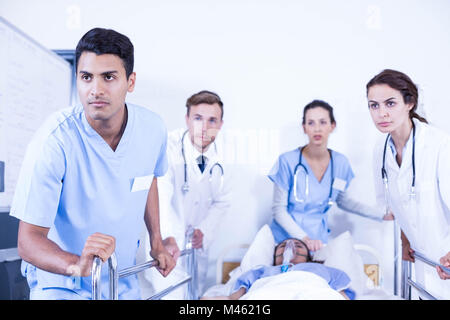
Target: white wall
(267,59)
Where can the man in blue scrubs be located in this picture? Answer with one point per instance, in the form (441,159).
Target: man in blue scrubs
(89,180)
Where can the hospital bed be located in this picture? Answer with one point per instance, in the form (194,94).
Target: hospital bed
(347,257)
(224,267)
(341,253)
(115,274)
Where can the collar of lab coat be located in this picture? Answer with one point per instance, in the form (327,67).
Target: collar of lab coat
(408,144)
(407,149)
(192,153)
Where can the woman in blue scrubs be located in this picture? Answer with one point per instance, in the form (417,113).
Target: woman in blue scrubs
(309,179)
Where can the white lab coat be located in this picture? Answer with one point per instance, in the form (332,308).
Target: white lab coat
(202,207)
(426,221)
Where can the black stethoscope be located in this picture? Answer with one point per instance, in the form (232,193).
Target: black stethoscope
(300,165)
(384,176)
(185,186)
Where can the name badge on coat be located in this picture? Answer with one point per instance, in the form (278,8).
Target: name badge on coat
(142,183)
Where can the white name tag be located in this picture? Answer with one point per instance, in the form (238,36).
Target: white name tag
(142,183)
(339,184)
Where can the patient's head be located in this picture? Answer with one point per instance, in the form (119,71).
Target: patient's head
(301,253)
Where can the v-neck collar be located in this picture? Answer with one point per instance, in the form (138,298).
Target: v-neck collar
(123,143)
(311,172)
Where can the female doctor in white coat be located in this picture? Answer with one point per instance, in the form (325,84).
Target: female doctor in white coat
(412,174)
(195,191)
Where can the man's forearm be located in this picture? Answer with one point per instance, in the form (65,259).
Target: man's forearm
(34,247)
(151,216)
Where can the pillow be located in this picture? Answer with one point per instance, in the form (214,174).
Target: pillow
(260,251)
(340,253)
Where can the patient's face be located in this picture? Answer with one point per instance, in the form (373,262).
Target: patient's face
(301,253)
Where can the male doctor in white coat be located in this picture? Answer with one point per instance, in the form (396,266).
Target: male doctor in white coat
(195,192)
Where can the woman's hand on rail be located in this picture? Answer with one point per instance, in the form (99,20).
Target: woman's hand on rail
(445,261)
(97,244)
(313,245)
(407,253)
(166,261)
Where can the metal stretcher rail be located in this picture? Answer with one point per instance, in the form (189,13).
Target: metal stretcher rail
(115,275)
(407,281)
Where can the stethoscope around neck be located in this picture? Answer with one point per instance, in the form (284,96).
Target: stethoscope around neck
(301,165)
(185,187)
(384,176)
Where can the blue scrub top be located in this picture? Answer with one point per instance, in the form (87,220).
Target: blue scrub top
(72,182)
(336,279)
(311,215)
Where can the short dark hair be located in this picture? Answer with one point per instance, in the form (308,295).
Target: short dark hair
(204,96)
(107,41)
(322,104)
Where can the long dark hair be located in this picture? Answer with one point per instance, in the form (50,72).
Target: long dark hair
(401,82)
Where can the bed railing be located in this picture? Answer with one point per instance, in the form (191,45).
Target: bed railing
(115,275)
(407,281)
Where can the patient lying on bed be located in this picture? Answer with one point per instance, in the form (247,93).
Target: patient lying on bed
(291,256)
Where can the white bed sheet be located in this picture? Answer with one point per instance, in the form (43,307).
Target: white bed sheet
(293,285)
(369,294)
